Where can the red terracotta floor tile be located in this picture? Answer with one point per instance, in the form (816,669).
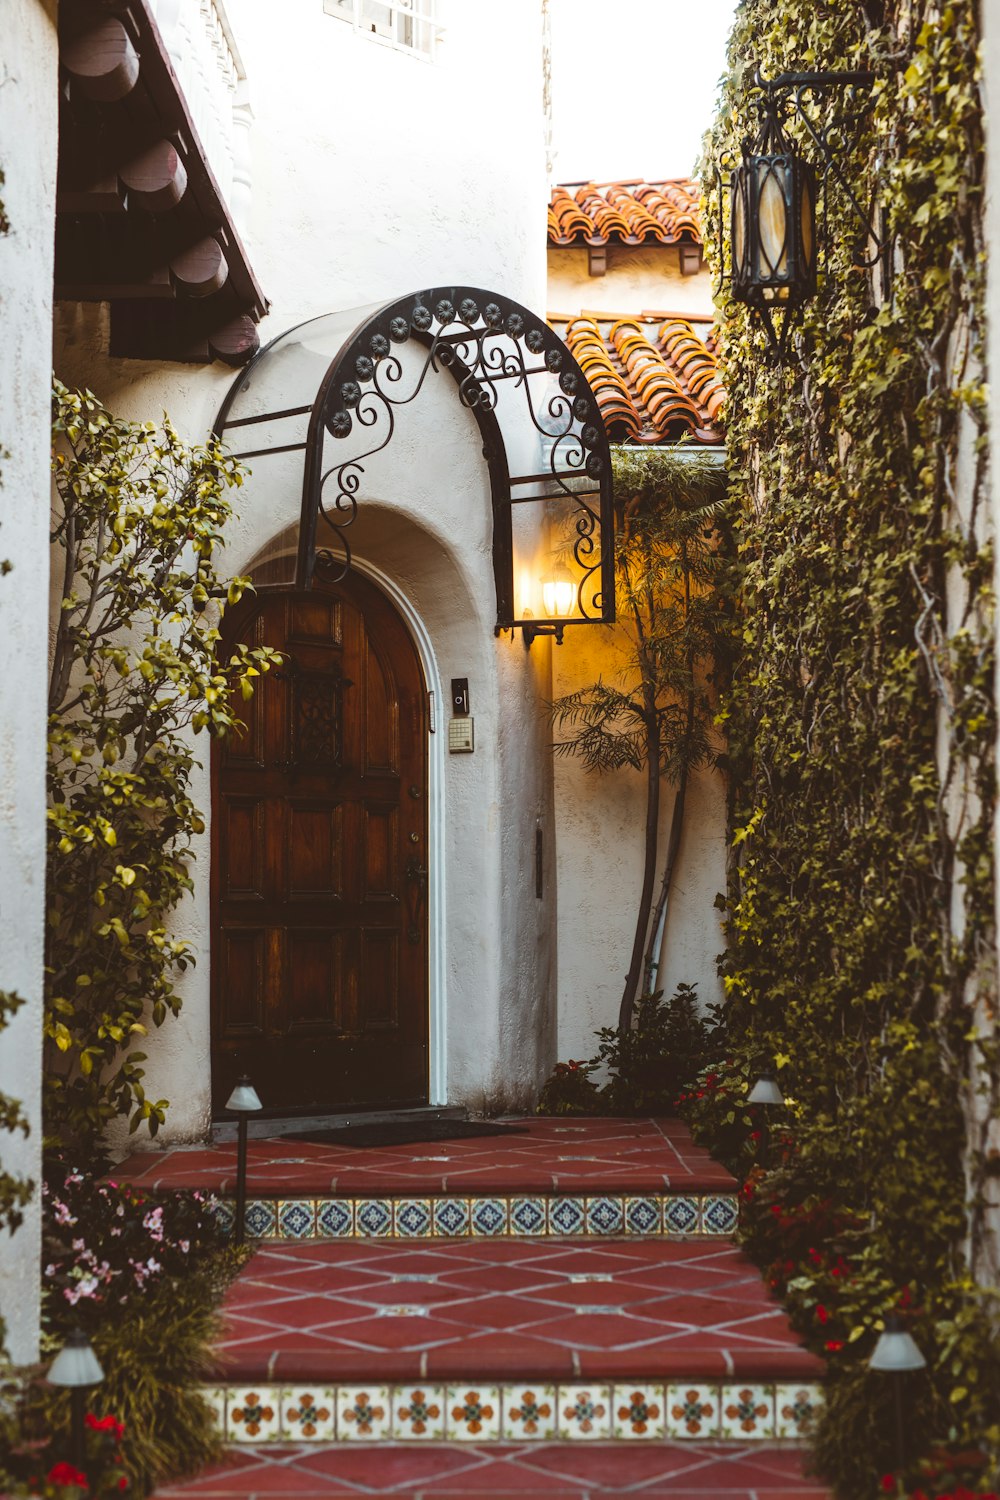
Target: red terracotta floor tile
(606,1155)
(495,1299)
(582,1471)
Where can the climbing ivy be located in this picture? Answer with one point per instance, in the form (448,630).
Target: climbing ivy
(862,732)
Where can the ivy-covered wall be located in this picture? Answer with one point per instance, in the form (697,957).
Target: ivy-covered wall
(861,951)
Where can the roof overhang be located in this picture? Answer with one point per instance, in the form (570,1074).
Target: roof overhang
(140,220)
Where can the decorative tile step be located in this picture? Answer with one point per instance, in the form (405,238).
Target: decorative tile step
(495,1310)
(452,1217)
(580,1158)
(479,1412)
(534,1470)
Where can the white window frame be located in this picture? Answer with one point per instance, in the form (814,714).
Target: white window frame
(386,33)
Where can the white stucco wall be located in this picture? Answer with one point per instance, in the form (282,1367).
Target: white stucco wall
(374,174)
(28,101)
(601,821)
(637,277)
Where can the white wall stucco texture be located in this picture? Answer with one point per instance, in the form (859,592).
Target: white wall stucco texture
(374,174)
(28,157)
(637,277)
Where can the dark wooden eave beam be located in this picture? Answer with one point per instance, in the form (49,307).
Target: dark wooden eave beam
(141,222)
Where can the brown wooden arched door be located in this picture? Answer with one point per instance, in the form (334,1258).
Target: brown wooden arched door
(319,860)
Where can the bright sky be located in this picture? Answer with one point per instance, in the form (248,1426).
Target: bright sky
(634,84)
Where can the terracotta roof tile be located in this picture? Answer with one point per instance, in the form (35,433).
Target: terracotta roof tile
(655,377)
(629,213)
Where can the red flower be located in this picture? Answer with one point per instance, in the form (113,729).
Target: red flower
(833,1346)
(888,1482)
(105,1424)
(64,1473)
(822,1313)
(123,1483)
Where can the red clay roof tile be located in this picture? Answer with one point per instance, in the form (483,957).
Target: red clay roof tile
(631,213)
(655,378)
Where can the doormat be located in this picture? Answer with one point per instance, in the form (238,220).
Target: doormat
(405,1133)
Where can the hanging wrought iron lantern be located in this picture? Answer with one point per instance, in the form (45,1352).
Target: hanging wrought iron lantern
(774,198)
(773,225)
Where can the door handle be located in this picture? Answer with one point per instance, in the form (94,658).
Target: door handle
(416,880)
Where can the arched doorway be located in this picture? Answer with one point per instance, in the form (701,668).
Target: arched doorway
(320,860)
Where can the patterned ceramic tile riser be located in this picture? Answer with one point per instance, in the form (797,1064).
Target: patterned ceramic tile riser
(626,1411)
(606,1216)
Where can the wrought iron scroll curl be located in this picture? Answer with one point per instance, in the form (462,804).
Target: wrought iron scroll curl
(488,344)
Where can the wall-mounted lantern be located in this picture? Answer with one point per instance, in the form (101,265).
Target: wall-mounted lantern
(772,201)
(559,591)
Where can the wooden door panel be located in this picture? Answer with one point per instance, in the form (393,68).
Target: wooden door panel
(379,978)
(314,851)
(381,722)
(314,981)
(242,874)
(380,853)
(315,618)
(242,958)
(319,955)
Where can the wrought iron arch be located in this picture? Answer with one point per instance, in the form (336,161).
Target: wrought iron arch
(510,370)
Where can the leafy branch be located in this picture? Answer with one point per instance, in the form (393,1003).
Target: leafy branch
(139,516)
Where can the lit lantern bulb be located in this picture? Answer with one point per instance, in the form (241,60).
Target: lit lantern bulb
(558,593)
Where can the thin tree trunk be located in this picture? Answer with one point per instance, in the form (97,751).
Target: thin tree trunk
(649,871)
(677,812)
(651,959)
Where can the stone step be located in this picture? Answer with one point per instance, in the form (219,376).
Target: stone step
(592,1178)
(502,1471)
(371,1338)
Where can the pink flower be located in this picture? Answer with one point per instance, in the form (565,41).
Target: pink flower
(86,1287)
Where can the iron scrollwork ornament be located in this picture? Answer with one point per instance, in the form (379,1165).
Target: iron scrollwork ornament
(489,346)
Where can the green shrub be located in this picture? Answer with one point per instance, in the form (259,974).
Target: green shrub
(668,1042)
(570,1090)
(650,1062)
(143,1277)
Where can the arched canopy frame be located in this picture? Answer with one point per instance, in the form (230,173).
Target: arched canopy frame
(333,389)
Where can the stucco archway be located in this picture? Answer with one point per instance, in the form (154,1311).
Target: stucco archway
(331,390)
